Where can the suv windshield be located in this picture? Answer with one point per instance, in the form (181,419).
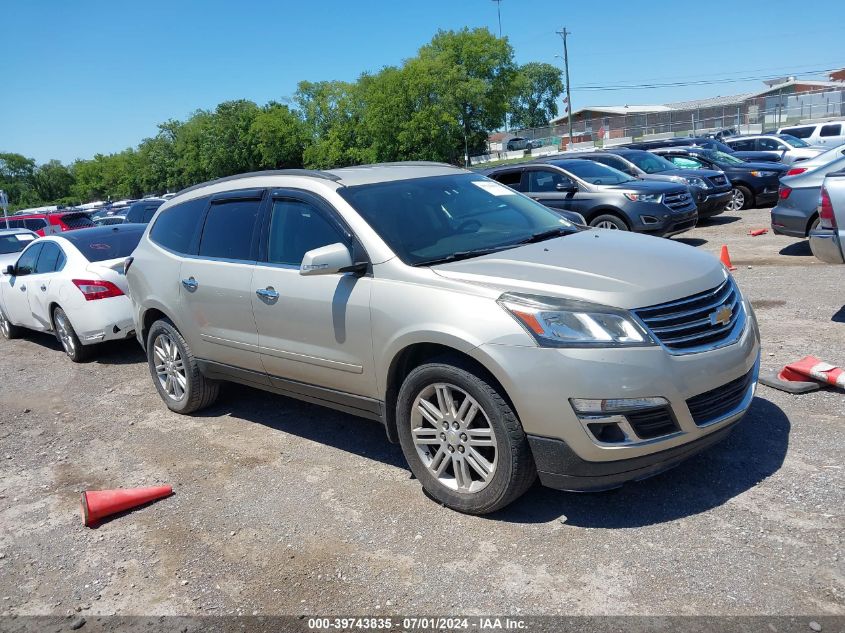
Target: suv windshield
(721,158)
(793,140)
(443,218)
(650,163)
(595,173)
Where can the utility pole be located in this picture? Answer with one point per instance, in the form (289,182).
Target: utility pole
(563,33)
(499,11)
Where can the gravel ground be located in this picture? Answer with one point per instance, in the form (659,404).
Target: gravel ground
(287,508)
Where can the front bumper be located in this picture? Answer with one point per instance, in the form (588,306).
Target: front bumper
(713,203)
(541,381)
(789,221)
(767,194)
(826,245)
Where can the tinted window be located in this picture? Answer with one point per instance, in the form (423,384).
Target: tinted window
(105,243)
(831,130)
(14,243)
(15,224)
(742,146)
(770,144)
(175,228)
(800,132)
(26,263)
(149,212)
(49,259)
(297,227)
(77,221)
(650,163)
(595,173)
(545,180)
(34,225)
(229,229)
(510,178)
(426,220)
(142,212)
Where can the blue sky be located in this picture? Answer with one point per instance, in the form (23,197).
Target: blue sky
(98,75)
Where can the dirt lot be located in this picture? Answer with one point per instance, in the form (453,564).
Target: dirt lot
(287,508)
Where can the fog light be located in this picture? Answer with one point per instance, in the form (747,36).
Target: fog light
(585,406)
(649,219)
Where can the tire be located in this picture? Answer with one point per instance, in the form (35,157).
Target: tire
(741,198)
(66,335)
(813,225)
(175,372)
(7,329)
(492,433)
(609,221)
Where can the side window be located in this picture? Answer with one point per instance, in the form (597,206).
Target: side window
(834,129)
(510,178)
(544,181)
(35,225)
(742,146)
(175,228)
(26,262)
(800,132)
(229,229)
(16,224)
(297,227)
(50,260)
(769,144)
(621,165)
(149,212)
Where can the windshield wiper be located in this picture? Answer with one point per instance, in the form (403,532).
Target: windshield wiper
(459,255)
(542,236)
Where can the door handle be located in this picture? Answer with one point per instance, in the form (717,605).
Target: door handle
(268,293)
(190,283)
(23,288)
(43,288)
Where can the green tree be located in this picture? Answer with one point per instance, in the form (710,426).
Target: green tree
(538,86)
(278,137)
(52,181)
(16,178)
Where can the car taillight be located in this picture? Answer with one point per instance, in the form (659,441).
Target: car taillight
(97,289)
(784,191)
(796,170)
(826,217)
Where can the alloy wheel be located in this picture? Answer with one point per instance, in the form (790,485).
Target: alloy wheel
(64,331)
(170,367)
(737,200)
(607,224)
(454,438)
(5,326)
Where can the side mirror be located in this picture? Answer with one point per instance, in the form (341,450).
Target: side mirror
(569,187)
(329,260)
(9,270)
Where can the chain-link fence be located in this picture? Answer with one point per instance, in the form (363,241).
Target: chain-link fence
(751,115)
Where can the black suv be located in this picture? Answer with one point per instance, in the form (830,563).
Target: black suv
(142,211)
(606,197)
(710,188)
(705,143)
(754,184)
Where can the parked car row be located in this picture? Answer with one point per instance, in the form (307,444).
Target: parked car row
(495,340)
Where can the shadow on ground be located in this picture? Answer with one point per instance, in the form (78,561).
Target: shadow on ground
(719,220)
(797,249)
(753,452)
(691,241)
(124,352)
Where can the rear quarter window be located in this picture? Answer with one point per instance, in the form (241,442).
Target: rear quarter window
(176,227)
(834,129)
(805,131)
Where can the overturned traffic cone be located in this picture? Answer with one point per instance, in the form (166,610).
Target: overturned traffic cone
(725,258)
(98,504)
(757,232)
(812,367)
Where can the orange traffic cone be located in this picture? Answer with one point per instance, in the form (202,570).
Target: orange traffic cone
(725,258)
(98,504)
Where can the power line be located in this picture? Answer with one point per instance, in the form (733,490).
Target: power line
(700,82)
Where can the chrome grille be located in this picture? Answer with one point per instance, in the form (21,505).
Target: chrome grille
(691,324)
(678,200)
(719,181)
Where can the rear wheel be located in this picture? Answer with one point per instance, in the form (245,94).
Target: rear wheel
(73,347)
(608,221)
(175,372)
(8,330)
(814,225)
(462,439)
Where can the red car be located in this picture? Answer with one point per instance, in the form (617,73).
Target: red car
(49,223)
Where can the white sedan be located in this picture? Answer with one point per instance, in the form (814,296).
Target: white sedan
(72,285)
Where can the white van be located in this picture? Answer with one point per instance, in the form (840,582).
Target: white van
(829,133)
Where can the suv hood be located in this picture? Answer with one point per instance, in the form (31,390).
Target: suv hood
(646,186)
(614,268)
(669,174)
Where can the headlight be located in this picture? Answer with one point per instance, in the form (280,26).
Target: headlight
(762,174)
(644,197)
(695,181)
(568,323)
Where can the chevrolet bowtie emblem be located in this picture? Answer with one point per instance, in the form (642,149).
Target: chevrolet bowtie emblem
(722,316)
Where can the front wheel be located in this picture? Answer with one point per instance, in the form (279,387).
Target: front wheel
(175,372)
(8,330)
(608,221)
(462,439)
(73,347)
(741,198)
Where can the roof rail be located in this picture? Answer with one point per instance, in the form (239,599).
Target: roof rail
(402,163)
(312,173)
